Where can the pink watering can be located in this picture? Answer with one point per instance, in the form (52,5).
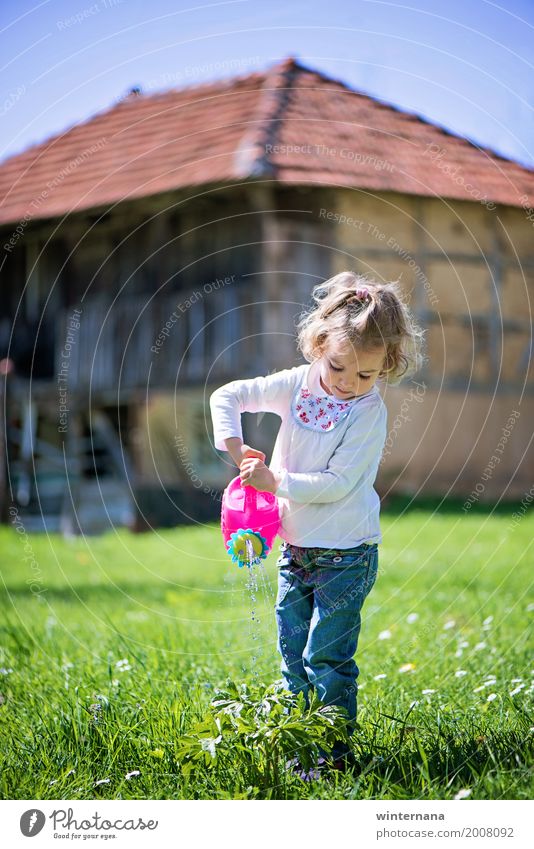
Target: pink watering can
(250,521)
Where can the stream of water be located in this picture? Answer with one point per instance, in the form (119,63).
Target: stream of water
(258,589)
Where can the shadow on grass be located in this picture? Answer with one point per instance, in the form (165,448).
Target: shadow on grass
(168,595)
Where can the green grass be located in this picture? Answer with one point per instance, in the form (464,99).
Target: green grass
(177,610)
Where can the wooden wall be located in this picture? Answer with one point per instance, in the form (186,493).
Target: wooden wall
(469,275)
(457,444)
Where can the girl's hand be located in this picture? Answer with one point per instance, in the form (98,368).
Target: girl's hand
(247,451)
(255,473)
(238,451)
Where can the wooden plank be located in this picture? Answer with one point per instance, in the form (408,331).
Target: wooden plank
(4,503)
(194,315)
(102,426)
(31,292)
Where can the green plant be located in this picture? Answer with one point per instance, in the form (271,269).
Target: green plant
(264,726)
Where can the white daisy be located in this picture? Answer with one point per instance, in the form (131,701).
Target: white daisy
(463,794)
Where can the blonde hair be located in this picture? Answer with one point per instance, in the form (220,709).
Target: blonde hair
(365,314)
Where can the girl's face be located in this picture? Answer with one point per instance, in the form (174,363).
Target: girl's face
(348,372)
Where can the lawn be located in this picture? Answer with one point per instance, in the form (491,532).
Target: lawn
(113,647)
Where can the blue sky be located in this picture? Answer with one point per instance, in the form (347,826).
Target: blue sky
(464,65)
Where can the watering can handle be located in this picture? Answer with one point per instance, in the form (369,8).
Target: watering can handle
(250,497)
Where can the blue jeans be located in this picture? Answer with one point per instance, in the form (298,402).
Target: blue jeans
(320,596)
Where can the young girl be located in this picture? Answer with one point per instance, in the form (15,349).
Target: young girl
(324,464)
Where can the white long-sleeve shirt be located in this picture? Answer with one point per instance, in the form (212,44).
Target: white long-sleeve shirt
(326,494)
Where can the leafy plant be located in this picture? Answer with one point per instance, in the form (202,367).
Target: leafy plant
(264,726)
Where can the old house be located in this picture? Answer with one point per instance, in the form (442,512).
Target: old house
(169,243)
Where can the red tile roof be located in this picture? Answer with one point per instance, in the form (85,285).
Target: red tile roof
(289,124)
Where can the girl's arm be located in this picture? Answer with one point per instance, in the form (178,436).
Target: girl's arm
(270,394)
(356,458)
(238,451)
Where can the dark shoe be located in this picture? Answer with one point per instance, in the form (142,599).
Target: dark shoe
(346,763)
(313,774)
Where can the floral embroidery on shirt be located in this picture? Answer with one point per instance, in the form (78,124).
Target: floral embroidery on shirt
(316,412)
